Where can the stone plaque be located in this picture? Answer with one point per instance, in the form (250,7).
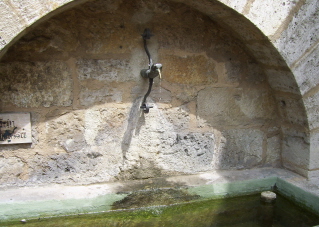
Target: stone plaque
(15,128)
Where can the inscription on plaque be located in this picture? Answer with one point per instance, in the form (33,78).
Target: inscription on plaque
(15,128)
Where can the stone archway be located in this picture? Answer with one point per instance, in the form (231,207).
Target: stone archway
(282,31)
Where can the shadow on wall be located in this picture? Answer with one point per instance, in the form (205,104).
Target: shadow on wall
(78,74)
(156,143)
(135,122)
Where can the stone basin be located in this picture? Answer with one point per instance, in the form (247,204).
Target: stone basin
(58,200)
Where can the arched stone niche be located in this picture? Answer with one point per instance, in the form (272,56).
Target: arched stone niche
(227,99)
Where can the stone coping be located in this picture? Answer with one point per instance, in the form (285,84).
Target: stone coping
(60,200)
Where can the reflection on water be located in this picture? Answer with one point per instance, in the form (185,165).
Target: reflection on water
(245,211)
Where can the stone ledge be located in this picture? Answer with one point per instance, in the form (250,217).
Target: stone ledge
(59,200)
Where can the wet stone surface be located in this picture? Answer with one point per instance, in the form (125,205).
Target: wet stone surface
(154,197)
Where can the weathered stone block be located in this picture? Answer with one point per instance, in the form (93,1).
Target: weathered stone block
(313,175)
(314,150)
(105,125)
(306,71)
(35,128)
(234,106)
(90,96)
(178,36)
(179,117)
(81,167)
(111,70)
(244,28)
(40,84)
(50,41)
(301,34)
(190,153)
(152,137)
(243,148)
(212,8)
(30,10)
(312,108)
(183,94)
(253,74)
(56,3)
(273,156)
(66,131)
(86,147)
(9,167)
(268,15)
(266,53)
(295,150)
(291,109)
(238,5)
(76,142)
(98,7)
(280,80)
(11,24)
(218,106)
(193,69)
(229,72)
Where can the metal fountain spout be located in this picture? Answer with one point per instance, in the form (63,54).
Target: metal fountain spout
(153,71)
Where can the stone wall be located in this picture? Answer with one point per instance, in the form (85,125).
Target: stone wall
(78,75)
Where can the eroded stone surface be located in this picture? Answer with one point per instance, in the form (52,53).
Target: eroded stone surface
(104,70)
(189,153)
(268,14)
(278,80)
(11,167)
(293,142)
(189,70)
(234,106)
(301,34)
(243,149)
(273,151)
(289,108)
(314,157)
(312,110)
(307,71)
(36,84)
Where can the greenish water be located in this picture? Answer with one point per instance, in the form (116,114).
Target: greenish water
(245,211)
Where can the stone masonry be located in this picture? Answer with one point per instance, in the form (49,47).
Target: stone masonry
(227,99)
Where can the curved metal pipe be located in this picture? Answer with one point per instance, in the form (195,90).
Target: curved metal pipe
(149,89)
(144,106)
(152,71)
(150,61)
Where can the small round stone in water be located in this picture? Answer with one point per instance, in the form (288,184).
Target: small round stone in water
(268,196)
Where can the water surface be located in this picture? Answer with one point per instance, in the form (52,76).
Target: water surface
(245,211)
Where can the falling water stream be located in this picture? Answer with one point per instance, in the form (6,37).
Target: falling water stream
(160,85)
